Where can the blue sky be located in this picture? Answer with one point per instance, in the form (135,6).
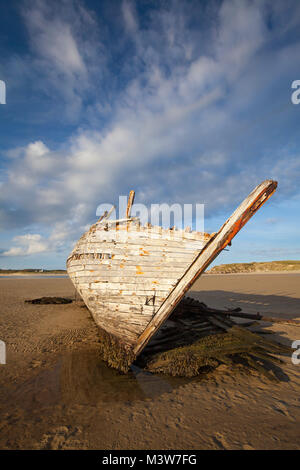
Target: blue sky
(184,101)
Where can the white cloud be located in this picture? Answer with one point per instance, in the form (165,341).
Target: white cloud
(172,125)
(242,30)
(27,245)
(52,39)
(65,54)
(62,237)
(129,17)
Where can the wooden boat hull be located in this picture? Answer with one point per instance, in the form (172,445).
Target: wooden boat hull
(132,277)
(124,275)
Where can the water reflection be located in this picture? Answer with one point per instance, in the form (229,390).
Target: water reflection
(82,378)
(42,276)
(150,384)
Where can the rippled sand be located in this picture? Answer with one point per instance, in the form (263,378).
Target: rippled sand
(57,394)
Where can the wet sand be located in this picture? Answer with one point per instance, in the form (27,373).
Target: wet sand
(57,394)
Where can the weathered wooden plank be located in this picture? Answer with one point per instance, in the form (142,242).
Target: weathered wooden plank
(115,325)
(87,289)
(126,335)
(106,215)
(136,250)
(124,224)
(118,286)
(111,271)
(117,276)
(123,233)
(135,279)
(146,311)
(153,257)
(145,287)
(121,262)
(135,300)
(119,316)
(145,241)
(129,203)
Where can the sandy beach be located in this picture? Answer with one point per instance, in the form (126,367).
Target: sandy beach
(57,394)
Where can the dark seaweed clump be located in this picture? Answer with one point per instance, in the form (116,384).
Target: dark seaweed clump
(114,352)
(49,300)
(237,345)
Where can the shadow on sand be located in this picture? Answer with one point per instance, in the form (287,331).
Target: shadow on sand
(272,305)
(80,377)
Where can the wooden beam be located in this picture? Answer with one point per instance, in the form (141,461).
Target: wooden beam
(200,310)
(211,250)
(129,204)
(106,214)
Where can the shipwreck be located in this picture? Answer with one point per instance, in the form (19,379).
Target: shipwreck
(132,277)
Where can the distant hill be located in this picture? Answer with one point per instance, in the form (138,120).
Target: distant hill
(33,271)
(265,266)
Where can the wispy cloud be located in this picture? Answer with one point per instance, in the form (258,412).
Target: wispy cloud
(64,59)
(173,107)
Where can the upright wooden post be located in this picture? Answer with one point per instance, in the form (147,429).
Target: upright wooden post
(130,203)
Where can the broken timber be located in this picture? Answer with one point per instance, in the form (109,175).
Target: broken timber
(196,338)
(199,308)
(132,277)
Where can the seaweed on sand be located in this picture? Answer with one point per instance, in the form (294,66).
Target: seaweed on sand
(236,345)
(195,339)
(49,300)
(116,354)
